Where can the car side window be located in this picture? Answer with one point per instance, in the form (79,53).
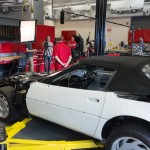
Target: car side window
(89,77)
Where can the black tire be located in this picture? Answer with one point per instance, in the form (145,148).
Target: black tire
(132,131)
(12,113)
(147,13)
(25,8)
(120,12)
(134,10)
(5,10)
(2,134)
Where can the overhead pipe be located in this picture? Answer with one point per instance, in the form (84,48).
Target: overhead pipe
(100,19)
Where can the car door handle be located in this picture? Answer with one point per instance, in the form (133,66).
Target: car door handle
(93,100)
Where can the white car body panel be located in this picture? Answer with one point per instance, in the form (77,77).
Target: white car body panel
(76,109)
(115,106)
(81,110)
(99,129)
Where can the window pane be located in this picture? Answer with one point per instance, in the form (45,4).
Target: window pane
(90,77)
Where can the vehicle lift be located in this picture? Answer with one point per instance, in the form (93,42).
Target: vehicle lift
(7,142)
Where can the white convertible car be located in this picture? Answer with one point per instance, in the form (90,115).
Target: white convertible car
(7,6)
(107,98)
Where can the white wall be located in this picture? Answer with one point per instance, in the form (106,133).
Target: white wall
(82,27)
(49,23)
(117,34)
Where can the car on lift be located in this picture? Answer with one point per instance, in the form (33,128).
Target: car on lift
(105,97)
(11,5)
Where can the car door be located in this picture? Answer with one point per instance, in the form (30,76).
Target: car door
(78,108)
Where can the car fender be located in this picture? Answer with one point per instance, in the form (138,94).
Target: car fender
(115,106)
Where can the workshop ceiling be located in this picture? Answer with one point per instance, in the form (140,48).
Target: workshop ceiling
(58,3)
(70,2)
(85,7)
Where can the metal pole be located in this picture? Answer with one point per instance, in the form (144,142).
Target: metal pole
(101,6)
(132,30)
(132,38)
(52,8)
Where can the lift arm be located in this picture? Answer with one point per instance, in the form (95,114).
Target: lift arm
(11,143)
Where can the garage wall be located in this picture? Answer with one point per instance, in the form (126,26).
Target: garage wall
(49,23)
(117,33)
(82,27)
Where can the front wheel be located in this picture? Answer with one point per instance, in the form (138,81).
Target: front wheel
(5,10)
(133,10)
(129,137)
(8,111)
(120,12)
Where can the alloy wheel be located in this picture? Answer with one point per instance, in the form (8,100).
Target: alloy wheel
(5,9)
(129,143)
(4,107)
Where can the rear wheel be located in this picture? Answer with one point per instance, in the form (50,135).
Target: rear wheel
(25,7)
(8,112)
(147,13)
(129,137)
(133,10)
(5,10)
(120,12)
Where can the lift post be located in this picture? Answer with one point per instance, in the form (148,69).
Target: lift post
(23,144)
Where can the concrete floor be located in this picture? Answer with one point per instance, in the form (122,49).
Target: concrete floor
(39,129)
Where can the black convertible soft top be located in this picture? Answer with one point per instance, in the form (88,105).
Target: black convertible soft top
(128,77)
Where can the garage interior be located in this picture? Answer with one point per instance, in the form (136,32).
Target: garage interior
(50,24)
(115,30)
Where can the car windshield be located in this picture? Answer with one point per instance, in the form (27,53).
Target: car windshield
(146,70)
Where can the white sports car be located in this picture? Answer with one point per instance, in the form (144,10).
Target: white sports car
(107,98)
(7,6)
